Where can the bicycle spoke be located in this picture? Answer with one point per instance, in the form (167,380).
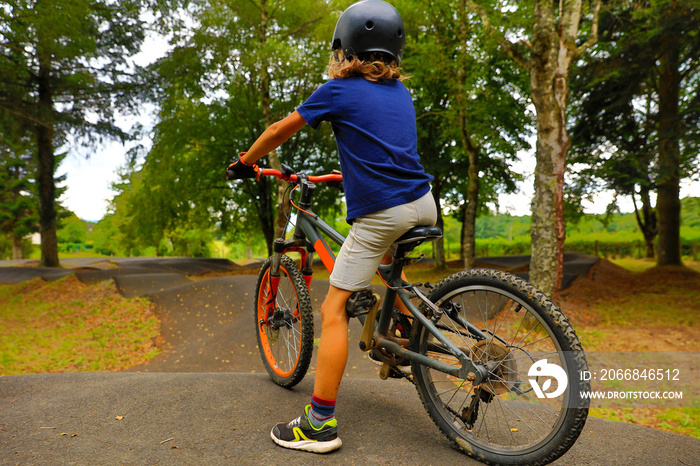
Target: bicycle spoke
(286,340)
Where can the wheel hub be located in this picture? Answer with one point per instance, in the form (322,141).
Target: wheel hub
(503,374)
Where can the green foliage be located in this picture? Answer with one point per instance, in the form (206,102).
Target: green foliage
(7,244)
(18,207)
(690,214)
(449,80)
(637,124)
(470,107)
(86,45)
(104,237)
(232,62)
(502,226)
(72,230)
(609,235)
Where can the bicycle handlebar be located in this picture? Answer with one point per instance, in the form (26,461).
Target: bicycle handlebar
(293,177)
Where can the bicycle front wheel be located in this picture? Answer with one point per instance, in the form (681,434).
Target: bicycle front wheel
(286,337)
(525,412)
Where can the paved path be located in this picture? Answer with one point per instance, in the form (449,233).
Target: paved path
(225,418)
(206,399)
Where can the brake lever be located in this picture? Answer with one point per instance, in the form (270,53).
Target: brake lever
(287,171)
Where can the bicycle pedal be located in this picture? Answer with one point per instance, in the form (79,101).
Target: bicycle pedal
(360,303)
(385,371)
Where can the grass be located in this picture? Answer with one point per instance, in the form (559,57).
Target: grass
(642,265)
(684,421)
(67,326)
(648,309)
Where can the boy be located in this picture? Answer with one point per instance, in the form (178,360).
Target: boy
(386,187)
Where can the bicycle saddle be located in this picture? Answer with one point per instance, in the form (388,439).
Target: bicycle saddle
(420,233)
(415,236)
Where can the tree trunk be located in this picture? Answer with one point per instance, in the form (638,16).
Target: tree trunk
(439,245)
(553,52)
(16,247)
(46,166)
(646,221)
(265,212)
(280,219)
(551,146)
(461,240)
(469,237)
(668,205)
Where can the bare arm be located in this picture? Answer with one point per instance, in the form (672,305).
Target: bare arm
(273,137)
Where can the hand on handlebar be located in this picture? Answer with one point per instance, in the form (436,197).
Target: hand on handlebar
(239,170)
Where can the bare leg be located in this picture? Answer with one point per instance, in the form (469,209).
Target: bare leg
(333,347)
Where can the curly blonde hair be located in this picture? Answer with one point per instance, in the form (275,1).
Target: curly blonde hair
(372,67)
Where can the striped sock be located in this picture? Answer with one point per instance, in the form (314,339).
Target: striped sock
(321,411)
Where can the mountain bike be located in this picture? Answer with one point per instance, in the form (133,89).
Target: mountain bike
(496,364)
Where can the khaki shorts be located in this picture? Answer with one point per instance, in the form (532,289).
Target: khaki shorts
(372,236)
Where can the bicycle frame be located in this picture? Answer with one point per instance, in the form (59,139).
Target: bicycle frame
(307,240)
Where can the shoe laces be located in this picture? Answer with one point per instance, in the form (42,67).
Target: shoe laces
(295,422)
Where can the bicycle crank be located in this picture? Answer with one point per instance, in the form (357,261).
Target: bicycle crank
(367,338)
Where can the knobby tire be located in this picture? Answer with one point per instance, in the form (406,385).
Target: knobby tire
(285,348)
(502,421)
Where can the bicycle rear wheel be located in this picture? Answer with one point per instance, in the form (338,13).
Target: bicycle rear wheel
(286,339)
(525,339)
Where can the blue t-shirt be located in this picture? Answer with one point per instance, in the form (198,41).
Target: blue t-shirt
(375,129)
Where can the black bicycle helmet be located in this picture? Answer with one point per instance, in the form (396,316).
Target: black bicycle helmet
(370,26)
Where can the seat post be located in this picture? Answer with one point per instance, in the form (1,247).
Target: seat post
(397,267)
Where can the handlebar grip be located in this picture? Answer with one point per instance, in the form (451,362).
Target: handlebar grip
(229,174)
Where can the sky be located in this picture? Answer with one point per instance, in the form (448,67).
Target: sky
(89,180)
(90,172)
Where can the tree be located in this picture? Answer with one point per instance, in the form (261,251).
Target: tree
(471,114)
(613,134)
(72,229)
(65,70)
(547,57)
(642,105)
(104,236)
(279,54)
(245,65)
(674,30)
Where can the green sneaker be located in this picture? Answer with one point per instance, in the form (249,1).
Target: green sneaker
(299,434)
